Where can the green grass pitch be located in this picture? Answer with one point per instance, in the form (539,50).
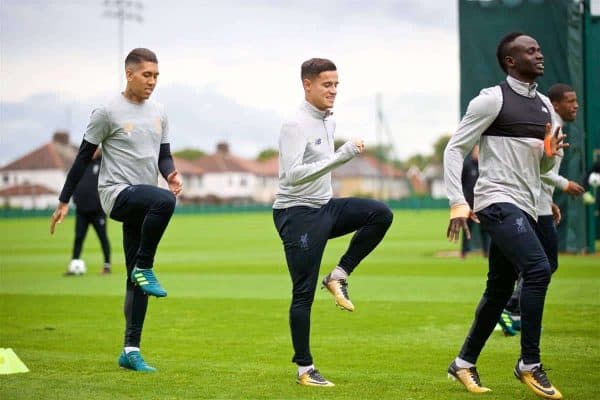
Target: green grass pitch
(223,332)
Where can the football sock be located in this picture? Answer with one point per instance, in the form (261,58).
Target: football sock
(338,273)
(460,363)
(527,367)
(305,369)
(130,349)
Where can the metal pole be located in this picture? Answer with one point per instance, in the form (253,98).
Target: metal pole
(379,141)
(121,23)
(122,10)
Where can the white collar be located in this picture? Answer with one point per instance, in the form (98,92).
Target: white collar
(315,112)
(522,88)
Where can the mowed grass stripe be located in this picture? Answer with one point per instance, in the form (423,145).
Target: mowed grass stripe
(270,286)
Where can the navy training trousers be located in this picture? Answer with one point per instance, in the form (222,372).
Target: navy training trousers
(515,249)
(304,232)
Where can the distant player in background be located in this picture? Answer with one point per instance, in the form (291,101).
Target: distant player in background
(134,134)
(89,212)
(306,216)
(564,102)
(518,141)
(469,176)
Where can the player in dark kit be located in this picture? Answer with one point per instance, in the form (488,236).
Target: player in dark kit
(89,212)
(518,139)
(306,216)
(134,134)
(564,101)
(469,176)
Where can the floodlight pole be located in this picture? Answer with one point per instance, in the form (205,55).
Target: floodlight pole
(379,140)
(122,10)
(382,128)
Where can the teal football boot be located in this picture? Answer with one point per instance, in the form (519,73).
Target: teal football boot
(146,280)
(134,361)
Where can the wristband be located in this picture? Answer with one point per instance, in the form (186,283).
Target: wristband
(460,211)
(548,146)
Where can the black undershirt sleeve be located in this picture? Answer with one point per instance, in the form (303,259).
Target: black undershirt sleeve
(83,159)
(165,160)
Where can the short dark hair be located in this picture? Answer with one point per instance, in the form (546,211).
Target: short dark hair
(314,66)
(139,55)
(503,48)
(558,90)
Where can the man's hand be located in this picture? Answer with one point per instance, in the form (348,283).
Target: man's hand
(62,209)
(553,142)
(459,215)
(175,182)
(574,189)
(359,143)
(556,216)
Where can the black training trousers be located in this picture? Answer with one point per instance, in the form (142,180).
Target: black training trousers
(98,221)
(304,232)
(145,212)
(515,249)
(548,236)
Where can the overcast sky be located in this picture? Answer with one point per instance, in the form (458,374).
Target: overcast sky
(229,70)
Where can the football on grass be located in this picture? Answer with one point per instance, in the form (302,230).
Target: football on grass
(594,179)
(77,267)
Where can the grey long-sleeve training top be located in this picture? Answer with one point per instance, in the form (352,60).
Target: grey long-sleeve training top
(509,167)
(307,157)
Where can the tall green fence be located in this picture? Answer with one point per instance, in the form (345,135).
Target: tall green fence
(592,105)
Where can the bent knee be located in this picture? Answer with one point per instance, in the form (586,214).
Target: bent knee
(538,276)
(166,201)
(384,215)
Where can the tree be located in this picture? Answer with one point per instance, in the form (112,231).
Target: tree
(438,148)
(189,154)
(418,160)
(267,154)
(382,152)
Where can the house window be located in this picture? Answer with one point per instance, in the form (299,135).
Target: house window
(243,181)
(6,178)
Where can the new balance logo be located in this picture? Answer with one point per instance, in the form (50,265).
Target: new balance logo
(520,224)
(304,241)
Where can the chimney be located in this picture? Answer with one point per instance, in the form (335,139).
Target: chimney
(223,147)
(61,137)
